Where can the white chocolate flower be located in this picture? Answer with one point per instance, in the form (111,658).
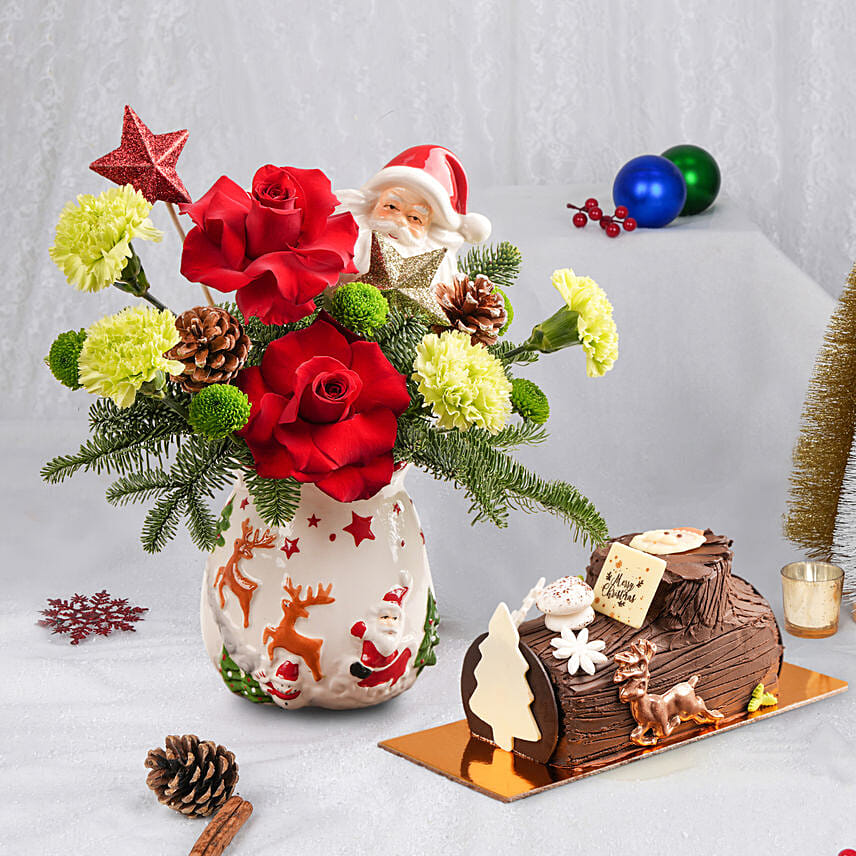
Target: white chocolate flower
(580,653)
(662,542)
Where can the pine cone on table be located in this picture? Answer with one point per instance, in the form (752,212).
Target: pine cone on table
(474,307)
(213,347)
(192,776)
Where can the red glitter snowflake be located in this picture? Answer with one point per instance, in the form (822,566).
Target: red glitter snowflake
(82,616)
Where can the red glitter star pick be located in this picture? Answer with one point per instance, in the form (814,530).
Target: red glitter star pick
(145,160)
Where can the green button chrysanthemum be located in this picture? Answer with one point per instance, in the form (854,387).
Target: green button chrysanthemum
(63,357)
(464,383)
(595,327)
(93,236)
(529,400)
(218,410)
(360,306)
(126,350)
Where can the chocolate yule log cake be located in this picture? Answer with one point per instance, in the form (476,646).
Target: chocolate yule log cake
(674,637)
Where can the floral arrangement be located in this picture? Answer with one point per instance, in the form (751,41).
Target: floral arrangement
(306,377)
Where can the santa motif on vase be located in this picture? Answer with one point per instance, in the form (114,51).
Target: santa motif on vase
(419,200)
(331,610)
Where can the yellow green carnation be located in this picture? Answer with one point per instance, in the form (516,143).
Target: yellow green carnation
(595,326)
(464,384)
(126,350)
(93,236)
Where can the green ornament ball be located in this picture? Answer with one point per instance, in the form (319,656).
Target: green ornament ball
(64,355)
(701,173)
(218,410)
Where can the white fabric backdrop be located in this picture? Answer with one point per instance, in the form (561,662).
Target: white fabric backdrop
(526,92)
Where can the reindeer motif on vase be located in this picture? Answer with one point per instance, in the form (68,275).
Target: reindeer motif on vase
(230,574)
(286,637)
(659,714)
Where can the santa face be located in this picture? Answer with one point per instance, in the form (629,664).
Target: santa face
(401,214)
(282,683)
(385,628)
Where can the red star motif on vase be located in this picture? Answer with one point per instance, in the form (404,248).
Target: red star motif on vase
(146,161)
(360,528)
(313,521)
(396,508)
(290,547)
(244,503)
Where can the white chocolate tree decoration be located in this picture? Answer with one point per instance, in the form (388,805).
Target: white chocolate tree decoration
(502,696)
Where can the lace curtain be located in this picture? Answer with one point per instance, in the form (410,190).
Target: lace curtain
(526,92)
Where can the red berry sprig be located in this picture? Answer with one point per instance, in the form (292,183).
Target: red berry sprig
(610,223)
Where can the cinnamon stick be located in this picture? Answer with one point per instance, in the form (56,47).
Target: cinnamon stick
(223,827)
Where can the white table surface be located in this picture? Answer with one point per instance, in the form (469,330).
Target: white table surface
(693,427)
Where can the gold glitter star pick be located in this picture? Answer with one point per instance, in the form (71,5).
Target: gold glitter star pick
(406,280)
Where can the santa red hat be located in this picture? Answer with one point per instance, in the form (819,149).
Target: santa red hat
(396,595)
(438,174)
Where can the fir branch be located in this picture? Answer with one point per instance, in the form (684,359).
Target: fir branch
(399,337)
(201,469)
(500,263)
(494,481)
(261,334)
(138,487)
(161,523)
(276,500)
(122,441)
(524,433)
(507,354)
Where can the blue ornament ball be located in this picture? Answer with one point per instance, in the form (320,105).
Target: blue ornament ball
(652,189)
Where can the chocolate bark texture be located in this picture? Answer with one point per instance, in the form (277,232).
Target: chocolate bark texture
(704,621)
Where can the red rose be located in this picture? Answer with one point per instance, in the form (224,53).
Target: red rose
(324,410)
(278,247)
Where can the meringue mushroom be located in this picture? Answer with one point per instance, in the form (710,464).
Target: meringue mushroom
(566,604)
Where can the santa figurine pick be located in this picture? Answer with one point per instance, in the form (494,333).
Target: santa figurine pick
(383,657)
(419,200)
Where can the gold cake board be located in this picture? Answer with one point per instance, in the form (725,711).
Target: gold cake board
(451,751)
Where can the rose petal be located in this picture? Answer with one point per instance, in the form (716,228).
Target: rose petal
(359,439)
(272,461)
(388,387)
(203,261)
(310,462)
(284,356)
(316,200)
(225,187)
(318,406)
(261,298)
(333,246)
(297,381)
(270,230)
(349,484)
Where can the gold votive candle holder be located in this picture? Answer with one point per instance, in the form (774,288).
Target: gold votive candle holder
(811,592)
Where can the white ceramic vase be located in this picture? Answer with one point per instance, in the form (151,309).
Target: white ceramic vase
(335,609)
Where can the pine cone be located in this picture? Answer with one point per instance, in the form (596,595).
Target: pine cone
(213,347)
(474,307)
(192,776)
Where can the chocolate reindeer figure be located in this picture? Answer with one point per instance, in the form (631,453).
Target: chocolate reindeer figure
(659,714)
